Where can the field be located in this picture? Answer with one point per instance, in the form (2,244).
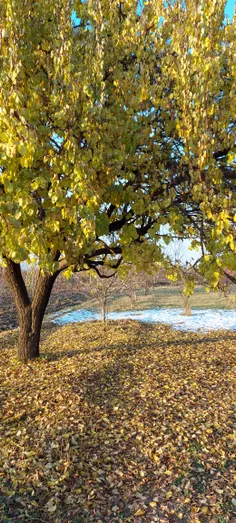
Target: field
(169,296)
(125,422)
(161,296)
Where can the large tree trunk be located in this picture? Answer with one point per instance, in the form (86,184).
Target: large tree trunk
(30,313)
(28,346)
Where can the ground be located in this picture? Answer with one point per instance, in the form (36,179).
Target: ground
(125,422)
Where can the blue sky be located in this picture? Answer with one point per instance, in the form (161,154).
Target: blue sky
(230,8)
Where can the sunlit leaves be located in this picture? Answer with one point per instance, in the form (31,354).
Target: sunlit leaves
(114,117)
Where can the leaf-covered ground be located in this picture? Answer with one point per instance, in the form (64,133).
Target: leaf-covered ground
(127,423)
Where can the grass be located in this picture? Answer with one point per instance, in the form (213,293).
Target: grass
(125,422)
(170,296)
(165,296)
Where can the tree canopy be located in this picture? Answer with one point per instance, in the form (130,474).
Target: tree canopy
(116,131)
(114,125)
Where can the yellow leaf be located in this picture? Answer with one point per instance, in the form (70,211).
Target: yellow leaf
(152,504)
(139,512)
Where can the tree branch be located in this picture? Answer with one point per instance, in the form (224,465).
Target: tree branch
(230,276)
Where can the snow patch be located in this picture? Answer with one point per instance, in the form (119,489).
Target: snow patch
(202,320)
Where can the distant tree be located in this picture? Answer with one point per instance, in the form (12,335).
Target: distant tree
(226,286)
(100,287)
(131,283)
(138,281)
(151,279)
(184,274)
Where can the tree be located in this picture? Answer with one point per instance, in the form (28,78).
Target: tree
(181,273)
(112,126)
(134,281)
(99,287)
(184,279)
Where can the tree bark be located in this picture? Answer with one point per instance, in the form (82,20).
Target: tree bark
(133,298)
(28,345)
(30,313)
(104,309)
(187,306)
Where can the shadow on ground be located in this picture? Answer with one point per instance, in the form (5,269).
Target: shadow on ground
(123,423)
